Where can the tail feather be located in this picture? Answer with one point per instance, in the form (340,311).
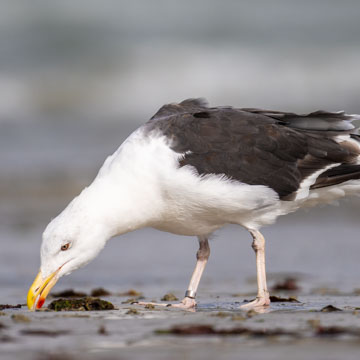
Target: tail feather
(319,120)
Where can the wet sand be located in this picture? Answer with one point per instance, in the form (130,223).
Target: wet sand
(117,334)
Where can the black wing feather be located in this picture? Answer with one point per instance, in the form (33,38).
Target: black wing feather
(257,147)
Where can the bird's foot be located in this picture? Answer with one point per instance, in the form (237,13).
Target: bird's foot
(186,304)
(258,303)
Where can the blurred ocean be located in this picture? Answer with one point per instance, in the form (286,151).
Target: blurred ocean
(120,60)
(77,77)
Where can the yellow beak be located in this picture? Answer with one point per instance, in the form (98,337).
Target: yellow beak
(40,289)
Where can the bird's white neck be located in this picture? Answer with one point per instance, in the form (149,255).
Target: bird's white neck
(126,194)
(117,208)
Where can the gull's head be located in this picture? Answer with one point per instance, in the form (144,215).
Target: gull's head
(112,205)
(69,242)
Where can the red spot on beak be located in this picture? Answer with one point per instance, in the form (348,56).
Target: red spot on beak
(40,303)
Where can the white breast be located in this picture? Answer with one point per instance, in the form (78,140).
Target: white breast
(146,177)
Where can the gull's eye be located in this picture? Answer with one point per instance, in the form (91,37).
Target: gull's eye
(65,247)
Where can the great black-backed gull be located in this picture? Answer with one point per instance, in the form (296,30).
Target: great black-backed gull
(191,169)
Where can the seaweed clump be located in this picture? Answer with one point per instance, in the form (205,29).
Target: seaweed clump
(330,308)
(83,304)
(291,299)
(131,292)
(7,306)
(100,292)
(169,297)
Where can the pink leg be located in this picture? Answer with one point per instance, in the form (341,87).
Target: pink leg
(262,298)
(202,257)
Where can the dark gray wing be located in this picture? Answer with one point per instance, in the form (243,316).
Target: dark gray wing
(252,146)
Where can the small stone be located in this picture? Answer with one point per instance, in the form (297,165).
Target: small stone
(330,308)
(102,330)
(132,312)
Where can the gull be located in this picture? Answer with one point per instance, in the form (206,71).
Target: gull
(191,169)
